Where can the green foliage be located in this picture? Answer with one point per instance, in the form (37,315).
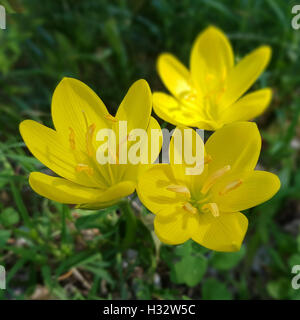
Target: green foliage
(78,254)
(4,236)
(191,267)
(226,261)
(9,217)
(215,290)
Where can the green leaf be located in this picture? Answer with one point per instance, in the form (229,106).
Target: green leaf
(93,220)
(184,249)
(77,260)
(4,236)
(190,270)
(9,217)
(89,221)
(294,260)
(212,289)
(227,260)
(298,243)
(100,272)
(191,267)
(278,289)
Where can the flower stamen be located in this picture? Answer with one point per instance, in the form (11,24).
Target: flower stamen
(209,77)
(231,186)
(90,129)
(189,95)
(212,208)
(220,94)
(213,178)
(84,168)
(111,118)
(179,189)
(113,156)
(188,207)
(72,138)
(207,159)
(89,139)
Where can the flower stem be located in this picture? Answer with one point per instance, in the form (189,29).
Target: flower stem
(130,226)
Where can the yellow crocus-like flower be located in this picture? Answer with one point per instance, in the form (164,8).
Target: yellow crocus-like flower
(210,94)
(206,207)
(70,150)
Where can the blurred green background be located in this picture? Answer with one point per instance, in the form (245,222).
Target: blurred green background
(108,45)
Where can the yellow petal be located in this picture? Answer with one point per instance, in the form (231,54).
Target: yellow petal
(211,57)
(175,225)
(178,113)
(223,233)
(193,175)
(248,107)
(111,195)
(186,154)
(74,103)
(244,74)
(136,106)
(64,191)
(61,190)
(185,140)
(237,145)
(174,74)
(131,171)
(257,188)
(155,141)
(152,188)
(46,145)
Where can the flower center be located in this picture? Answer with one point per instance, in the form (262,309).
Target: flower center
(85,158)
(205,203)
(86,162)
(83,167)
(188,96)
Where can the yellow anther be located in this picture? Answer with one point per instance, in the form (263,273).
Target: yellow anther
(89,139)
(90,129)
(213,178)
(207,159)
(209,77)
(220,94)
(85,118)
(84,168)
(188,207)
(111,118)
(191,97)
(231,186)
(212,208)
(188,96)
(72,138)
(113,156)
(179,189)
(121,143)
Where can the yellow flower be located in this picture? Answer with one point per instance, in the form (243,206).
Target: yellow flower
(209,95)
(206,207)
(70,150)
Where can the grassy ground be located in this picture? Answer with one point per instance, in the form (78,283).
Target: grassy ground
(108,45)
